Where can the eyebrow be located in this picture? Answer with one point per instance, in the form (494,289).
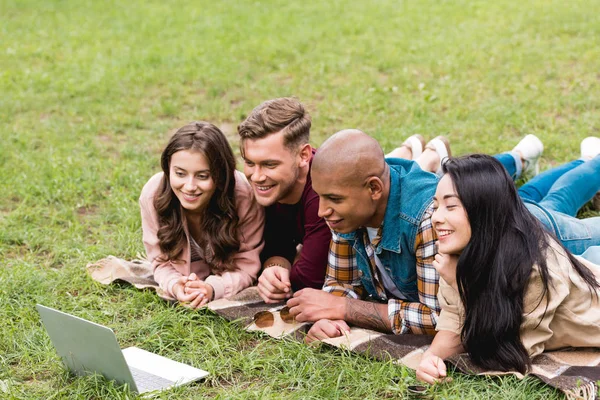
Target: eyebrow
(263,161)
(447,196)
(183,169)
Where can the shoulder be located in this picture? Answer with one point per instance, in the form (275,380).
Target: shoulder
(557,260)
(244,197)
(150,188)
(243,190)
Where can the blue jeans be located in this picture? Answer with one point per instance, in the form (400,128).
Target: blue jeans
(555,196)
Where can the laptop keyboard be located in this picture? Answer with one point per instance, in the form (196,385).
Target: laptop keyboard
(146,381)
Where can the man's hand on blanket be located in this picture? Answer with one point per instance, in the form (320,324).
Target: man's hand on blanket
(313,304)
(431,369)
(326,329)
(274,284)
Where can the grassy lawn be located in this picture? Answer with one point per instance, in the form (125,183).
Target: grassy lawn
(91,90)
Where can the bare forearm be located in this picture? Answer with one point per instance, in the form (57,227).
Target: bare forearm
(368,315)
(446,344)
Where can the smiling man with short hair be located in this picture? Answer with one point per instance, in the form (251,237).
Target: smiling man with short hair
(380,271)
(277,162)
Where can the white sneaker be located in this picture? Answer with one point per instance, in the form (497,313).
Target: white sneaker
(590,148)
(530,149)
(416,144)
(440,145)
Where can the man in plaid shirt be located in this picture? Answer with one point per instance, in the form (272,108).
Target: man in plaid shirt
(380,272)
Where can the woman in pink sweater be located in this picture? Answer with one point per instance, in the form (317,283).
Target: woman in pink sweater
(202,227)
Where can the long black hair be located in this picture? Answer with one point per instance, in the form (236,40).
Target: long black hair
(494,268)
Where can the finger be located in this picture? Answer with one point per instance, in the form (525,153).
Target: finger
(284,276)
(315,334)
(441,367)
(341,325)
(195,284)
(425,377)
(293,302)
(199,297)
(269,297)
(430,369)
(193,276)
(277,281)
(300,293)
(302,316)
(186,298)
(203,302)
(268,286)
(331,330)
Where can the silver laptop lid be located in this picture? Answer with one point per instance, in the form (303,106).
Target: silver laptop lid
(85,346)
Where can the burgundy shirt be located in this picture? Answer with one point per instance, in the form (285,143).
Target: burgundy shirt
(288,225)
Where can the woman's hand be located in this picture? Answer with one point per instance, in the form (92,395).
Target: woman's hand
(445,265)
(204,292)
(192,292)
(431,369)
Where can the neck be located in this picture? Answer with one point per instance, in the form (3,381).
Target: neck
(195,217)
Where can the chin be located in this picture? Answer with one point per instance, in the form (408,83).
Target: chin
(265,201)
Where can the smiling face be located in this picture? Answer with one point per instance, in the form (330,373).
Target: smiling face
(345,206)
(191,180)
(450,219)
(273,170)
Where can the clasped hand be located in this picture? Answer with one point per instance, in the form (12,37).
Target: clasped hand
(192,291)
(445,265)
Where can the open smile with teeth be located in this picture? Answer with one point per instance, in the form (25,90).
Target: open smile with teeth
(263,188)
(190,197)
(443,233)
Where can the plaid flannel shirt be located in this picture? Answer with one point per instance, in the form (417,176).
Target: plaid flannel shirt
(342,279)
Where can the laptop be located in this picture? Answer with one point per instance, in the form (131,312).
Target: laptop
(86,347)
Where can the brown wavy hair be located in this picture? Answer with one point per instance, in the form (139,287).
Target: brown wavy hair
(220,221)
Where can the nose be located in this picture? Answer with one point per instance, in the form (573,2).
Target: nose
(324,209)
(437,217)
(256,174)
(190,185)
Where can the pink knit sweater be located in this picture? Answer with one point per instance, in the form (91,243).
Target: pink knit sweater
(247,259)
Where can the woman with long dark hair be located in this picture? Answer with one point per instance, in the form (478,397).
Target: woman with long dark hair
(508,289)
(202,227)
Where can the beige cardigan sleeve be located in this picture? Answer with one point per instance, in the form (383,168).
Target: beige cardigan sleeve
(452,315)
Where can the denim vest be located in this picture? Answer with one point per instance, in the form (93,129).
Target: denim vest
(411,192)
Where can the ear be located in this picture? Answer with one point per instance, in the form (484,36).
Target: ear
(375,187)
(305,154)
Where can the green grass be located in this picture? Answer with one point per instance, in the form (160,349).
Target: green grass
(91,90)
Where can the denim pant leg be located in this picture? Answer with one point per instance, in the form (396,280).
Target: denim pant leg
(592,254)
(575,188)
(577,235)
(511,162)
(539,186)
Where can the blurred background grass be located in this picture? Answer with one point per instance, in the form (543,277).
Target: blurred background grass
(92,90)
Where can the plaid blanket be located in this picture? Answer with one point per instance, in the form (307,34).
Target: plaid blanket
(574,371)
